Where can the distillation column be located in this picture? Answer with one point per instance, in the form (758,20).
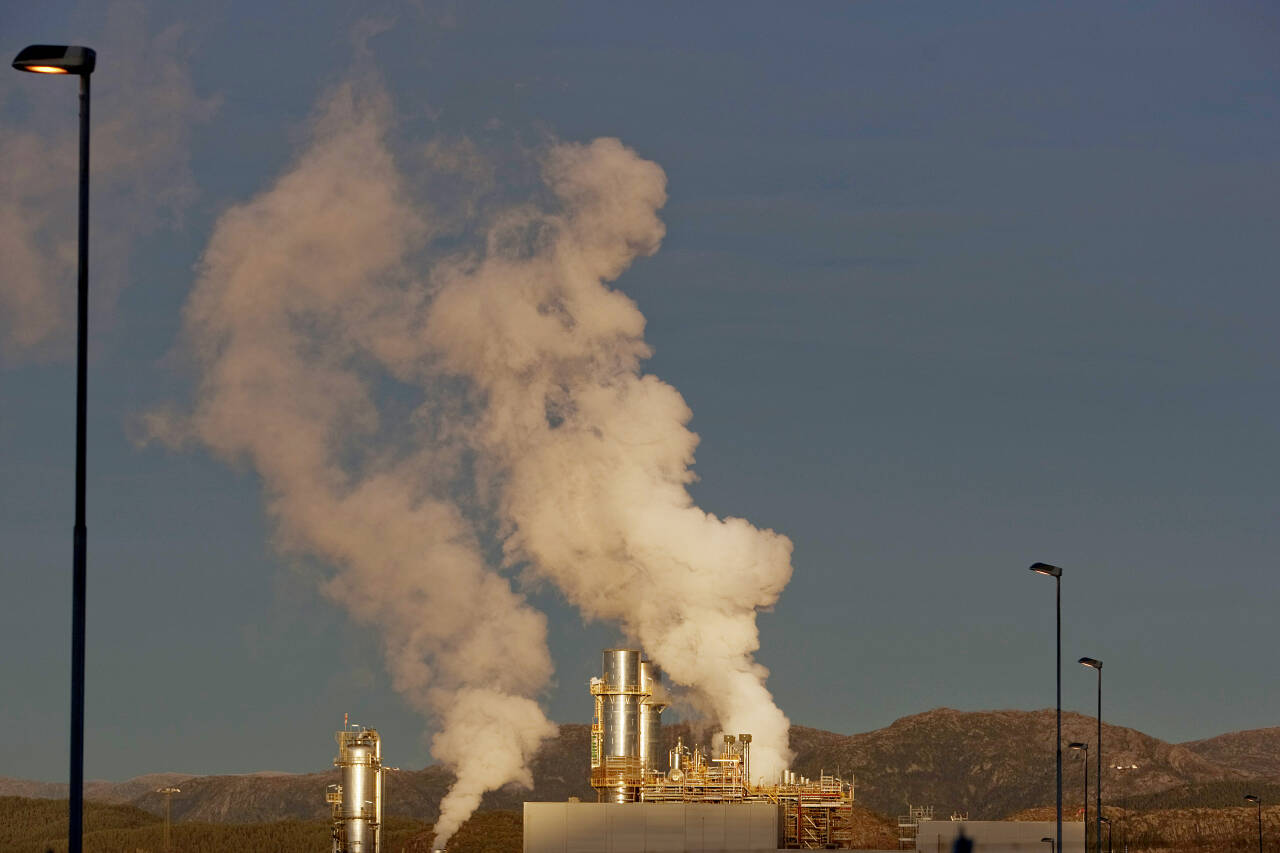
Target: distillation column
(357,801)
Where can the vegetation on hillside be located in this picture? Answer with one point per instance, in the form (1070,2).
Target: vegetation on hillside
(30,824)
(1176,830)
(1210,795)
(36,826)
(1199,830)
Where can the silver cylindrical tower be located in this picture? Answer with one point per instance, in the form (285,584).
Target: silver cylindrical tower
(616,772)
(357,812)
(620,669)
(652,704)
(621,719)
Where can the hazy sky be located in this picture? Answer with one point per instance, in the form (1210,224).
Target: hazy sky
(949,287)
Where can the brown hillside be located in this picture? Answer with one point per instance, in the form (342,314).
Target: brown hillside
(988,763)
(1255,752)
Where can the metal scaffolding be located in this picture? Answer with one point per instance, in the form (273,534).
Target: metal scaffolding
(909,825)
(816,814)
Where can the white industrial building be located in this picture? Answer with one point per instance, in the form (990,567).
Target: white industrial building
(651,827)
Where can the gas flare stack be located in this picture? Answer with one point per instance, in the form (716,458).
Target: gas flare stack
(357,800)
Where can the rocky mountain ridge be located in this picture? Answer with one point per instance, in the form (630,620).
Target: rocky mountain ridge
(1256,751)
(987,764)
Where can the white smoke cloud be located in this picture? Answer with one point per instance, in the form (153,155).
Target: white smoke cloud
(143,111)
(591,458)
(303,305)
(309,308)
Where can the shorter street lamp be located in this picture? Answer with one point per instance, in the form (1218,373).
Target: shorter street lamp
(1107,821)
(1257,801)
(1096,665)
(1077,746)
(1050,842)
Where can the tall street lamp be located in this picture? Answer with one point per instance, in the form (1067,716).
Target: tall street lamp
(78,61)
(1257,801)
(1095,664)
(1107,821)
(1056,573)
(1084,747)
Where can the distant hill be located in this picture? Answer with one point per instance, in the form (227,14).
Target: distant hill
(1211,795)
(987,764)
(1256,752)
(34,824)
(991,763)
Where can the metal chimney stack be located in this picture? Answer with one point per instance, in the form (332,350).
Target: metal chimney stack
(652,704)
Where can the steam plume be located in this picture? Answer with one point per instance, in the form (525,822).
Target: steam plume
(308,311)
(144,109)
(590,457)
(302,306)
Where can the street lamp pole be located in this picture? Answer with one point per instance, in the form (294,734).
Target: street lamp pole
(1257,801)
(80,61)
(1084,747)
(1095,664)
(1056,573)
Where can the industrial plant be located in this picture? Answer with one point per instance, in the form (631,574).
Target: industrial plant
(701,800)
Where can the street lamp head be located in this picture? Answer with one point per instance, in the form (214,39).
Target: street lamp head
(1077,745)
(1093,663)
(56,59)
(1046,569)
(1105,820)
(1251,798)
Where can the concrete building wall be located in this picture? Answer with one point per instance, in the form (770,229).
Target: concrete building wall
(650,828)
(998,836)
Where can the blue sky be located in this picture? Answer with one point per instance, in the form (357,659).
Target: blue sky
(950,288)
